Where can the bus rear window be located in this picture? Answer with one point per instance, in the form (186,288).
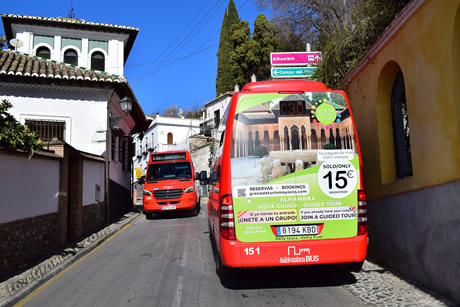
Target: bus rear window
(286,130)
(169,171)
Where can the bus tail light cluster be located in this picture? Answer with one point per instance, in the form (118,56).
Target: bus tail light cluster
(226,221)
(362,213)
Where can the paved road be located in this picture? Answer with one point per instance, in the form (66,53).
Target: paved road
(169,261)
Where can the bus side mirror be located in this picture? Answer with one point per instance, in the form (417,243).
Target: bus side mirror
(203,177)
(197,176)
(213,178)
(141,180)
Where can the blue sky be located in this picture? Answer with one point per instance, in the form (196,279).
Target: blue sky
(173,60)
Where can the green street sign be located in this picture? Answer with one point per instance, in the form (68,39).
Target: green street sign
(293,72)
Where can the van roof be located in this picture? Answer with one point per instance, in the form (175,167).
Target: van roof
(284,85)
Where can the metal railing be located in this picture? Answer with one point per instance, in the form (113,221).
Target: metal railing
(206,127)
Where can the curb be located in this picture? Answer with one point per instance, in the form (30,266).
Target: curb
(18,287)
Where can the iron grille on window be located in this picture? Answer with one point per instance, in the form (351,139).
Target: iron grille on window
(47,129)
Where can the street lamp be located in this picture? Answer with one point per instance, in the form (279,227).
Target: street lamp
(126,106)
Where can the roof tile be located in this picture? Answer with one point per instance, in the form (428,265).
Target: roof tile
(22,64)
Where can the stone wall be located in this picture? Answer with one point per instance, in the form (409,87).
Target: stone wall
(200,151)
(418,234)
(93,218)
(25,240)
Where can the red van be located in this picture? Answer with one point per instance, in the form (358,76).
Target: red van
(170,183)
(286,184)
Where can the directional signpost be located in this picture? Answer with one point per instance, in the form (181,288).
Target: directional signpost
(293,72)
(295,58)
(302,61)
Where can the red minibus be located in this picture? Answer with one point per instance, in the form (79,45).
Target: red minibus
(286,183)
(170,183)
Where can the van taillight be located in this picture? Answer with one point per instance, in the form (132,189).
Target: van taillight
(362,213)
(226,222)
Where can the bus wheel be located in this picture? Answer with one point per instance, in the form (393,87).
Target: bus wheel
(221,269)
(197,209)
(149,215)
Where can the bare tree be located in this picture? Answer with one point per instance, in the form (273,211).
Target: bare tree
(308,18)
(171,111)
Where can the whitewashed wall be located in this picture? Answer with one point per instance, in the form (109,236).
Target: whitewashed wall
(114,62)
(181,128)
(93,174)
(85,113)
(220,103)
(28,188)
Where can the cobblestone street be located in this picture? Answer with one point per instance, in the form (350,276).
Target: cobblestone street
(379,287)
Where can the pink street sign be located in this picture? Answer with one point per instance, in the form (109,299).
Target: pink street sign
(295,58)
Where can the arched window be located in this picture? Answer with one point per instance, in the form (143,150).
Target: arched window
(266,140)
(338,140)
(286,139)
(170,138)
(43,52)
(276,140)
(303,138)
(257,141)
(98,61)
(314,140)
(71,57)
(400,120)
(295,137)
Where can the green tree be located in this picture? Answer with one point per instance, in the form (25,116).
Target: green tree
(319,97)
(2,42)
(339,99)
(342,30)
(224,78)
(245,58)
(267,35)
(13,135)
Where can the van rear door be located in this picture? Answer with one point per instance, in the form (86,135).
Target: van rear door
(294,167)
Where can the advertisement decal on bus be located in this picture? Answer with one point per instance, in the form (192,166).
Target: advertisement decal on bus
(294,168)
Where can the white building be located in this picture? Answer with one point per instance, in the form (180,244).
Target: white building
(104,47)
(163,134)
(56,96)
(213,114)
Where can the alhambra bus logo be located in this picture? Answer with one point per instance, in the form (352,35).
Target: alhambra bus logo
(296,252)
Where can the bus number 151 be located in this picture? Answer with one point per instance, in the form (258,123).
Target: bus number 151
(250,251)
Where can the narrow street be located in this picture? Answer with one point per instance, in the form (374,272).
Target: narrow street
(169,261)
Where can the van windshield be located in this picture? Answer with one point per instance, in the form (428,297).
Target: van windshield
(169,171)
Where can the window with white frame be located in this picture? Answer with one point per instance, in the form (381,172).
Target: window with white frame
(46,130)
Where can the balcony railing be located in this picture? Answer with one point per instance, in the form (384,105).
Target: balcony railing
(206,127)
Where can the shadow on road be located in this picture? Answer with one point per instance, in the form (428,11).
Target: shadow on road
(287,277)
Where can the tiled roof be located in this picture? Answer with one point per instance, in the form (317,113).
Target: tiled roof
(66,20)
(23,64)
(11,20)
(17,67)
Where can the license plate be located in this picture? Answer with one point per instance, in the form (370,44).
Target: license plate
(168,208)
(282,231)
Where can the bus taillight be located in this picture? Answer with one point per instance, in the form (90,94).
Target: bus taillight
(362,213)
(226,222)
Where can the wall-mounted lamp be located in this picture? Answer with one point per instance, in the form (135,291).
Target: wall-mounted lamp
(126,106)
